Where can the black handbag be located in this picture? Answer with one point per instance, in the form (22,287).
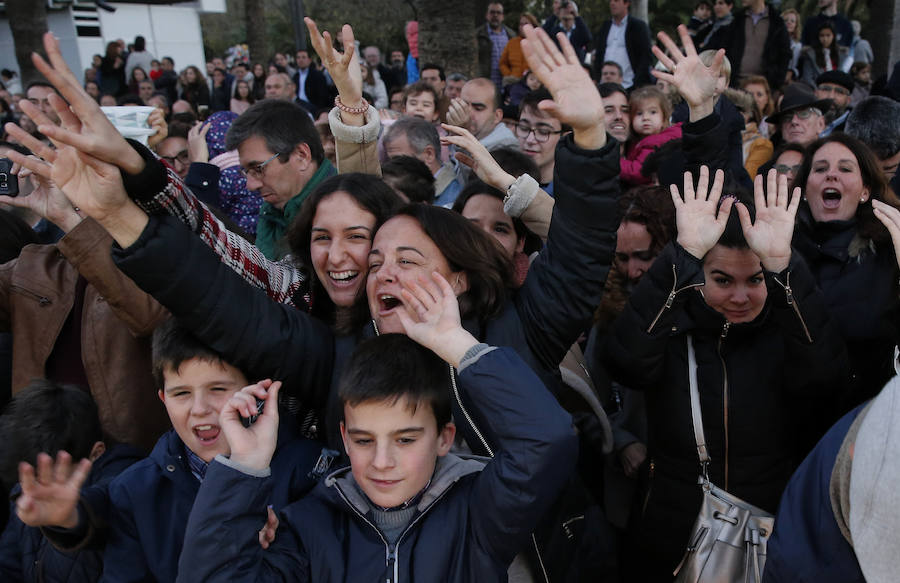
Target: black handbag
(728,541)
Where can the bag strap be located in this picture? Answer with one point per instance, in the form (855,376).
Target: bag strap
(695,406)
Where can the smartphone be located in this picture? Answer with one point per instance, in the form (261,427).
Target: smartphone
(248,421)
(202,112)
(9,182)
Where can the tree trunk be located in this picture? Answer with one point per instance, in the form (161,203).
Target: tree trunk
(639,10)
(446,35)
(255,17)
(28,23)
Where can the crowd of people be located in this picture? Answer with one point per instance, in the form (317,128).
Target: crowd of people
(403,324)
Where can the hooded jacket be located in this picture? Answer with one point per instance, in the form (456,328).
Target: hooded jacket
(468,525)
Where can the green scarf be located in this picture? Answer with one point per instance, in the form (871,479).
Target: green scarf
(274,222)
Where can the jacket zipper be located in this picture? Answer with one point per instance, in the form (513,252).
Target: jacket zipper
(537,551)
(468,417)
(42,300)
(671,298)
(724,394)
(789,293)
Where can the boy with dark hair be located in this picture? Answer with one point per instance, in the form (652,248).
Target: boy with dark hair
(46,416)
(405,509)
(148,505)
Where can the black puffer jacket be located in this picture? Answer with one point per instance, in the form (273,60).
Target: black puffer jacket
(859,281)
(754,381)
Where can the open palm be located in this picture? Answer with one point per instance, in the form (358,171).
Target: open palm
(769,236)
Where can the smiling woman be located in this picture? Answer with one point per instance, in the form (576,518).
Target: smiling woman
(850,254)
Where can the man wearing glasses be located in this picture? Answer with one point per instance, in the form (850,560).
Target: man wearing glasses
(801,117)
(538,134)
(283,159)
(837,86)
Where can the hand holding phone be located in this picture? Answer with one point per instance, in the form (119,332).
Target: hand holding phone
(9,182)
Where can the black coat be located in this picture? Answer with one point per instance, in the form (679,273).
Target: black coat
(580,39)
(755,381)
(859,282)
(777,52)
(637,43)
(317,91)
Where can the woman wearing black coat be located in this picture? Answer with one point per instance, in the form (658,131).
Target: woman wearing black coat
(765,350)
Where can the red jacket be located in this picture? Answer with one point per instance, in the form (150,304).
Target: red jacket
(633,161)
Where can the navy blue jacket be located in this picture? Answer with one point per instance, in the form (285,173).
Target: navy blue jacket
(467,528)
(148,506)
(26,555)
(807,545)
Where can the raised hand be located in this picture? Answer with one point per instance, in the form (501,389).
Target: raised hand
(459,112)
(576,100)
(84,126)
(699,225)
(890,218)
(45,199)
(770,236)
(431,318)
(252,446)
(695,81)
(479,159)
(198,150)
(157,120)
(50,495)
(343,67)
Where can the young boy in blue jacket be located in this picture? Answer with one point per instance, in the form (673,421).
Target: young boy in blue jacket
(46,416)
(405,509)
(142,515)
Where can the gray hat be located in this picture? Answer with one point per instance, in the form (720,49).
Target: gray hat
(875,488)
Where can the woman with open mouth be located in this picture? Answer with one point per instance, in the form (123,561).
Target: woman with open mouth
(851,256)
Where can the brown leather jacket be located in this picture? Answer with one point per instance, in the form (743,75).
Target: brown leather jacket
(36,297)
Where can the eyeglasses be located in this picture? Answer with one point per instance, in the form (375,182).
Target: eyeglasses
(256,172)
(833,89)
(784,168)
(181,157)
(804,113)
(540,134)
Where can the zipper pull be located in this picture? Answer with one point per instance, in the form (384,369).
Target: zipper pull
(725,330)
(790,294)
(671,299)
(392,558)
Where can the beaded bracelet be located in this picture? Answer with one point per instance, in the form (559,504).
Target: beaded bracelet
(355,110)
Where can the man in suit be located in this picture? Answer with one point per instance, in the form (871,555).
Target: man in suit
(312,89)
(573,27)
(626,41)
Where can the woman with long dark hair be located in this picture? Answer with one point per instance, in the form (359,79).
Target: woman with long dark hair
(193,87)
(825,54)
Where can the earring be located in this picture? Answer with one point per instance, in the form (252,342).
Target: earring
(863,199)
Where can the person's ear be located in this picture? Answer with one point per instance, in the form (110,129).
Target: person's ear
(459,281)
(303,155)
(498,115)
(344,437)
(445,439)
(429,155)
(865,196)
(162,396)
(98,449)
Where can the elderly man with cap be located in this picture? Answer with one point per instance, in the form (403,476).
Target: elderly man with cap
(839,516)
(837,86)
(801,116)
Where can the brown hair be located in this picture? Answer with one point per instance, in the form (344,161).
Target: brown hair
(651,93)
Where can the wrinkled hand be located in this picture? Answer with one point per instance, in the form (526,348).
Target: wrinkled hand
(576,100)
(632,457)
(431,318)
(890,218)
(699,225)
(343,67)
(267,532)
(695,81)
(479,159)
(45,199)
(459,112)
(50,495)
(198,150)
(252,446)
(157,121)
(770,236)
(84,126)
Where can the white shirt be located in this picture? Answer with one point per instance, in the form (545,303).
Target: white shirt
(301,83)
(617,52)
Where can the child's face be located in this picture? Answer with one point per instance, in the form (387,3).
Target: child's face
(647,118)
(393,450)
(194,395)
(421,105)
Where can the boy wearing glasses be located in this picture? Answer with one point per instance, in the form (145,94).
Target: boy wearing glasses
(538,134)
